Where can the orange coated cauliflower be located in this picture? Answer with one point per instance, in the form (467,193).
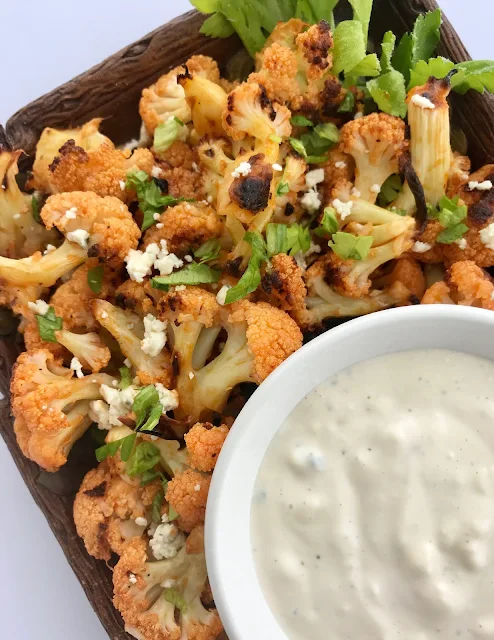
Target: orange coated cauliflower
(103,226)
(464,284)
(251,113)
(283,283)
(259,338)
(71,299)
(408,272)
(106,508)
(161,600)
(204,442)
(185,227)
(50,407)
(294,67)
(87,137)
(375,142)
(102,171)
(187,493)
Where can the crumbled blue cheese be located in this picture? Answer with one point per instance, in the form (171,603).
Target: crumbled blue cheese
(343,209)
(461,242)
(340,164)
(221,295)
(76,366)
(154,336)
(355,192)
(166,262)
(71,214)
(122,184)
(421,247)
(156,216)
(40,307)
(375,188)
(132,578)
(243,169)
(487,236)
(99,412)
(277,167)
(422,101)
(119,402)
(314,177)
(167,540)
(300,258)
(486,185)
(49,249)
(141,522)
(80,237)
(168,397)
(311,201)
(140,263)
(156,172)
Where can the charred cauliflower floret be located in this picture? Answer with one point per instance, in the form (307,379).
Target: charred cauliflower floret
(259,338)
(323,302)
(295,65)
(106,508)
(166,97)
(376,143)
(283,284)
(207,101)
(204,443)
(215,160)
(87,137)
(128,330)
(339,169)
(20,234)
(251,113)
(102,171)
(41,269)
(289,184)
(186,226)
(103,226)
(88,348)
(459,174)
(50,407)
(430,145)
(71,300)
(407,272)
(161,600)
(464,284)
(187,493)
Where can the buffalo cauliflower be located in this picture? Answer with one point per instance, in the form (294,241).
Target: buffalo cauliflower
(465,284)
(50,407)
(102,226)
(204,443)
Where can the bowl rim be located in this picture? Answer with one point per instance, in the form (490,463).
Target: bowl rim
(236,590)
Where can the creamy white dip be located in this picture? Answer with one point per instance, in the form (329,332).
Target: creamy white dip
(373,513)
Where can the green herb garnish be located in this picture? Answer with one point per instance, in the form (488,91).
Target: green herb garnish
(48,324)
(166,133)
(125,377)
(95,278)
(192,274)
(350,247)
(329,223)
(251,277)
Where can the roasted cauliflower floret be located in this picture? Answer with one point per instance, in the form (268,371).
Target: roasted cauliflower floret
(187,493)
(102,171)
(207,101)
(204,443)
(251,113)
(88,348)
(71,299)
(20,234)
(50,407)
(106,508)
(128,330)
(464,284)
(161,600)
(376,143)
(283,283)
(185,227)
(103,226)
(294,67)
(259,338)
(41,270)
(323,302)
(408,272)
(339,169)
(459,174)
(289,184)
(87,137)
(33,341)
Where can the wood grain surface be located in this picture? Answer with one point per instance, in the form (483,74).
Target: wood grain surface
(112,90)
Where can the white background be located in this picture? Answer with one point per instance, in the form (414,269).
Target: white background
(43,44)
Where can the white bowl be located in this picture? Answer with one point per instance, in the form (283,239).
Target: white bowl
(237,593)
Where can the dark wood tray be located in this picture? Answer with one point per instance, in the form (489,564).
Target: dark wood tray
(111,90)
